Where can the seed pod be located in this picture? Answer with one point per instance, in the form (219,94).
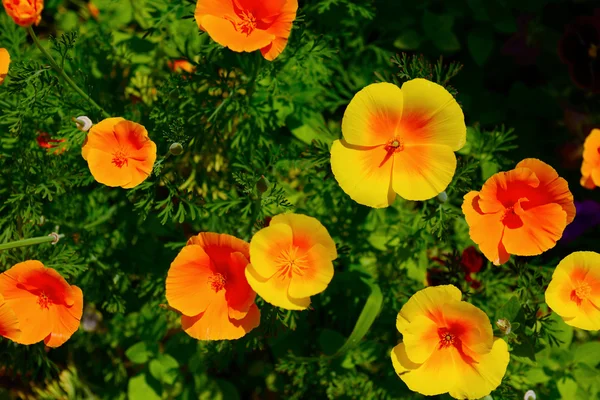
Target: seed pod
(176,149)
(442,197)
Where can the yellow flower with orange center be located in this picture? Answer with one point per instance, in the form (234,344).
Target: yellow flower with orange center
(398,141)
(248,25)
(24,12)
(291,260)
(590,168)
(119,153)
(574,292)
(448,346)
(4,64)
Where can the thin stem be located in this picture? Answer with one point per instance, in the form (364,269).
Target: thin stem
(31,241)
(63,74)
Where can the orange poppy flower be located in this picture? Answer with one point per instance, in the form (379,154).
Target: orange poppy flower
(93,9)
(522,212)
(590,169)
(119,153)
(206,283)
(248,25)
(47,307)
(24,12)
(4,64)
(291,260)
(9,323)
(181,66)
(398,141)
(448,346)
(574,292)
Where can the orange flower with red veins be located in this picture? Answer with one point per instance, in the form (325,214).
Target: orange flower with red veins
(4,64)
(248,25)
(24,12)
(574,291)
(9,323)
(119,153)
(522,212)
(590,169)
(448,346)
(181,66)
(291,260)
(398,141)
(206,283)
(47,307)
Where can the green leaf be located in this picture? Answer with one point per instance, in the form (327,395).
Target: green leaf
(409,40)
(567,388)
(140,388)
(588,353)
(561,331)
(481,45)
(164,368)
(139,353)
(438,29)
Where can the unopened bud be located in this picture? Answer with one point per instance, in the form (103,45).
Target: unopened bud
(83,123)
(504,325)
(176,149)
(442,197)
(530,395)
(263,184)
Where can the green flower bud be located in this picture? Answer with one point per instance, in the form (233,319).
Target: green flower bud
(263,184)
(176,149)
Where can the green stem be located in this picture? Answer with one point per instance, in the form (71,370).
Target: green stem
(255,213)
(31,241)
(63,74)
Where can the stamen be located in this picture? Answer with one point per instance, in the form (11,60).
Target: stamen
(581,292)
(44,301)
(120,158)
(447,338)
(395,145)
(291,263)
(217,282)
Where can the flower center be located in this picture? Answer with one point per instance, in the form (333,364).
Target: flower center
(593,51)
(395,145)
(447,338)
(217,281)
(44,301)
(120,158)
(291,263)
(248,22)
(581,292)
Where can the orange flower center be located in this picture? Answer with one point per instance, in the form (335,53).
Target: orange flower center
(581,292)
(291,263)
(120,158)
(395,145)
(447,338)
(217,281)
(247,23)
(593,51)
(44,301)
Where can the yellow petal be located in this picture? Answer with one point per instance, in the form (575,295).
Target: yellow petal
(431,116)
(421,338)
(422,172)
(373,116)
(274,290)
(267,246)
(437,375)
(316,277)
(365,174)
(400,360)
(588,316)
(429,301)
(473,324)
(307,231)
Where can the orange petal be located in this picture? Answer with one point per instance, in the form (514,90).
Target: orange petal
(35,322)
(215,324)
(422,172)
(267,246)
(4,64)
(65,320)
(105,171)
(485,229)
(428,302)
(504,189)
(538,230)
(473,324)
(9,323)
(281,28)
(591,148)
(188,287)
(218,8)
(364,173)
(223,32)
(552,188)
(307,232)
(316,277)
(101,137)
(238,293)
(219,246)
(431,116)
(141,164)
(274,290)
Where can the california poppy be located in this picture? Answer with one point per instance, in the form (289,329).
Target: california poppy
(119,153)
(448,346)
(182,66)
(47,307)
(93,9)
(24,12)
(4,64)
(9,323)
(590,168)
(291,260)
(248,25)
(206,283)
(398,141)
(522,212)
(574,292)
(45,141)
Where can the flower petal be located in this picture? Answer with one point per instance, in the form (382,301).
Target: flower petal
(307,232)
(436,376)
(274,290)
(281,28)
(471,324)
(4,64)
(431,116)
(219,246)
(428,302)
(421,339)
(65,320)
(101,137)
(223,32)
(9,323)
(504,189)
(316,277)
(105,171)
(400,360)
(422,172)
(238,293)
(373,116)
(266,247)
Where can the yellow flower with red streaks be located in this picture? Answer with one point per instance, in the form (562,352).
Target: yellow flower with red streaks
(291,260)
(207,284)
(4,64)
(24,12)
(522,212)
(119,153)
(590,168)
(248,25)
(47,307)
(448,346)
(398,141)
(574,291)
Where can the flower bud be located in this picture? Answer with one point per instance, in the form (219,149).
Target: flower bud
(530,395)
(176,149)
(263,184)
(83,123)
(504,325)
(442,197)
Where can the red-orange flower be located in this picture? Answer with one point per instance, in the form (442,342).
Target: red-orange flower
(4,64)
(45,141)
(94,11)
(181,66)
(47,307)
(248,25)
(24,12)
(590,169)
(207,284)
(522,212)
(119,153)
(9,323)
